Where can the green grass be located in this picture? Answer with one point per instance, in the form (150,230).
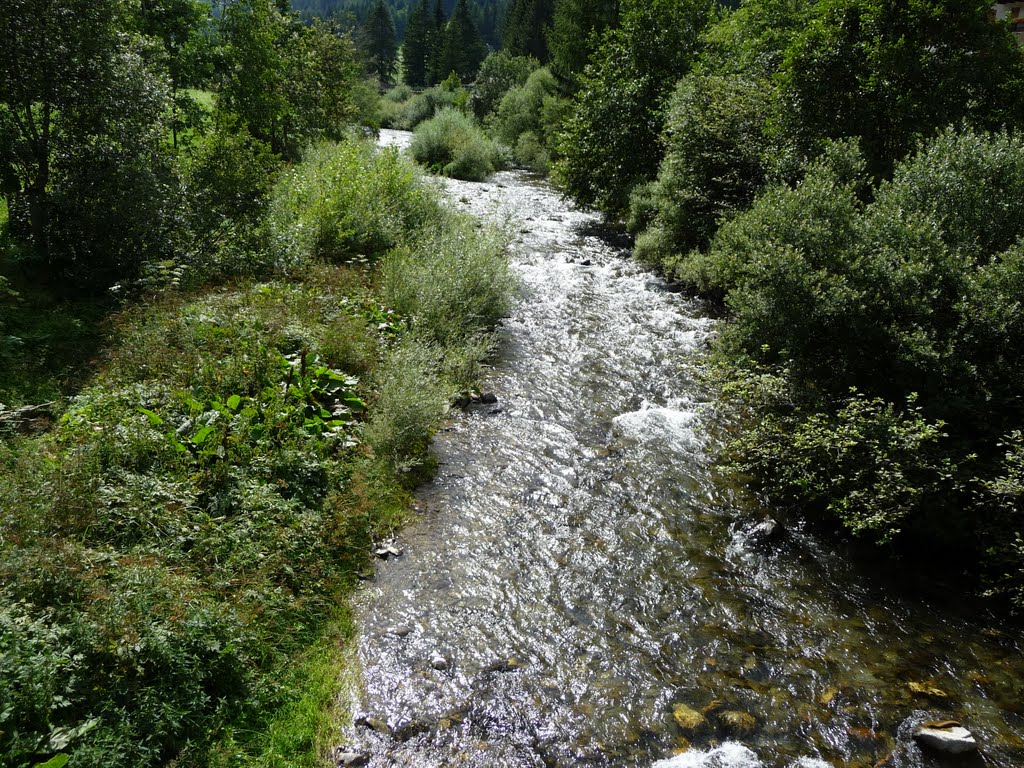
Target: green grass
(206,99)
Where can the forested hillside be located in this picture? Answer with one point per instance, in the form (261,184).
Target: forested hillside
(489,15)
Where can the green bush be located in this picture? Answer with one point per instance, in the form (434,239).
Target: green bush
(225,180)
(912,297)
(452,144)
(522,112)
(453,283)
(346,201)
(411,402)
(713,165)
(423,106)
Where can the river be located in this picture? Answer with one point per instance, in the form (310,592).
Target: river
(581,589)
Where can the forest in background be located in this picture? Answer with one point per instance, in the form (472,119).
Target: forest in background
(488,15)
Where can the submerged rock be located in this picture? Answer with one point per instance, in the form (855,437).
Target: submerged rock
(766,533)
(738,722)
(688,718)
(439,662)
(946,736)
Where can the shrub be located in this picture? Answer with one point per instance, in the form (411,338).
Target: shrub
(452,144)
(423,106)
(527,111)
(411,402)
(713,165)
(226,177)
(453,283)
(345,201)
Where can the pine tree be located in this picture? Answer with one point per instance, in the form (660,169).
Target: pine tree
(462,48)
(526,28)
(379,43)
(576,31)
(416,49)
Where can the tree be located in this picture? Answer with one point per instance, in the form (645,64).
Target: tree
(577,28)
(611,140)
(462,48)
(499,72)
(526,28)
(380,47)
(254,32)
(416,49)
(80,112)
(893,72)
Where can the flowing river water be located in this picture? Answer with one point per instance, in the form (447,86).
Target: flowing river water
(582,590)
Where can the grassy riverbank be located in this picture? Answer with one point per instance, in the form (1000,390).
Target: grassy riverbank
(178,549)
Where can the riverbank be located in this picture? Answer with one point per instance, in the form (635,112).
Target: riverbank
(179,548)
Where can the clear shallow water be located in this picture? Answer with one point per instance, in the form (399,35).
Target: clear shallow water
(578,572)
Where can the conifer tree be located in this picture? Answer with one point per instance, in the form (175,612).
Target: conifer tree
(416,48)
(576,32)
(526,28)
(462,48)
(379,43)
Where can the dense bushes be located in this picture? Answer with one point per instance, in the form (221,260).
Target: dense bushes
(713,166)
(527,118)
(190,527)
(452,144)
(405,110)
(914,294)
(347,201)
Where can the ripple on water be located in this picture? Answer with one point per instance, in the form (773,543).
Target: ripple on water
(581,570)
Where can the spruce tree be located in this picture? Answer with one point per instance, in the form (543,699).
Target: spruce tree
(526,28)
(416,49)
(462,48)
(379,43)
(576,32)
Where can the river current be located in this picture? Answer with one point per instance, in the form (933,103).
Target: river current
(581,589)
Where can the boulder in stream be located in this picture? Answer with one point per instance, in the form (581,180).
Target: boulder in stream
(946,736)
(352,758)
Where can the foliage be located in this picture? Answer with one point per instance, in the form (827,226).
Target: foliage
(420,107)
(80,107)
(416,48)
(610,142)
(452,144)
(911,293)
(713,164)
(461,49)
(347,202)
(576,30)
(378,44)
(893,72)
(225,179)
(499,73)
(522,119)
(451,283)
(289,83)
(527,25)
(870,465)
(183,537)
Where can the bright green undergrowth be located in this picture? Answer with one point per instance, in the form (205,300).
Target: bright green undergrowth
(451,143)
(177,551)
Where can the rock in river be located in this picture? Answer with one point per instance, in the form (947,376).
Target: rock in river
(946,736)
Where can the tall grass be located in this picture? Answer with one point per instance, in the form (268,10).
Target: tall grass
(346,201)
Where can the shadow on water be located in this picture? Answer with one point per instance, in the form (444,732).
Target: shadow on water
(582,590)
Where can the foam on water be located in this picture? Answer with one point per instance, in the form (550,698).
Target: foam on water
(729,755)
